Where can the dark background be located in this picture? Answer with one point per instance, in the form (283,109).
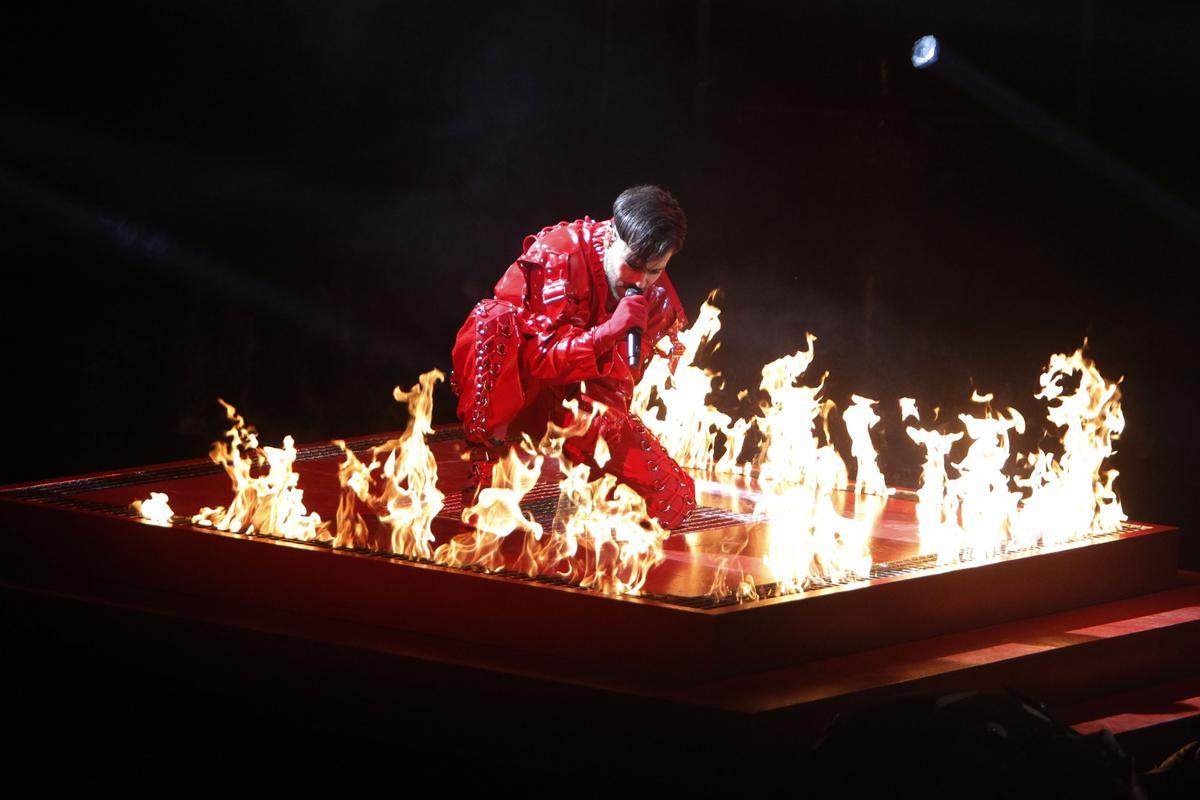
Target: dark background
(294,207)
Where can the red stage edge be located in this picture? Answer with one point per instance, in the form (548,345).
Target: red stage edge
(631,637)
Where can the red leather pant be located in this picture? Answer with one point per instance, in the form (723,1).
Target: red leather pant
(635,457)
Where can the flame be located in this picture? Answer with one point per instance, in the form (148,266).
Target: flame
(270,503)
(743,592)
(404,495)
(602,455)
(496,513)
(411,496)
(735,438)
(937,512)
(788,452)
(733,542)
(1073,496)
(351,529)
(156,509)
(688,427)
(859,419)
(982,511)
(557,554)
(603,536)
(986,501)
(746,590)
(818,544)
(798,475)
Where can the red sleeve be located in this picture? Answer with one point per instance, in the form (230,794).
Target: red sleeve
(558,346)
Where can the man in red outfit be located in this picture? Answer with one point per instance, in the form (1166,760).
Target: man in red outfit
(558,330)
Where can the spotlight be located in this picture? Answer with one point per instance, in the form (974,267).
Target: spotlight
(925,52)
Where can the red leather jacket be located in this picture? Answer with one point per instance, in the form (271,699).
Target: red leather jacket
(519,356)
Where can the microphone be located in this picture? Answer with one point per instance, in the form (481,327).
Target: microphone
(634,336)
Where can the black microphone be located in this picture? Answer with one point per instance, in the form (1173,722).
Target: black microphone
(634,336)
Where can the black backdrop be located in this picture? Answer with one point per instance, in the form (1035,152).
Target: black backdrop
(293,208)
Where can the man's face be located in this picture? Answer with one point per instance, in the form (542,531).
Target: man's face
(621,275)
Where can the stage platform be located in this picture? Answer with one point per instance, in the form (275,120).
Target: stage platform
(1067,623)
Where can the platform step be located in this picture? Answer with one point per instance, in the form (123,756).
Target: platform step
(1067,659)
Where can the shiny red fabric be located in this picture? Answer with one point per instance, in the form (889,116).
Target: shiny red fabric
(521,354)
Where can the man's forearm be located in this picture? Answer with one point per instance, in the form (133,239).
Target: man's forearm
(566,355)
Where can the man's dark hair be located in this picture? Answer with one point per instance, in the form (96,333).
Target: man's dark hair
(649,220)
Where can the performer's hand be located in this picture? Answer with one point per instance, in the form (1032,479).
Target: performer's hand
(632,312)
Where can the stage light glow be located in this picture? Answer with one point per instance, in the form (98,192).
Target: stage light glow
(925,52)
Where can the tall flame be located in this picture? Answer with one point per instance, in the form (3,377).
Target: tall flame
(496,513)
(859,419)
(688,427)
(557,554)
(404,495)
(789,450)
(270,503)
(603,536)
(411,496)
(799,474)
(1073,496)
(351,529)
(937,511)
(985,499)
(982,511)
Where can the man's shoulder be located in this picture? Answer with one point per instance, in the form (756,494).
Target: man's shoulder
(565,237)
(558,268)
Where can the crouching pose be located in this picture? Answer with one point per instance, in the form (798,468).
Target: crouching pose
(558,329)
